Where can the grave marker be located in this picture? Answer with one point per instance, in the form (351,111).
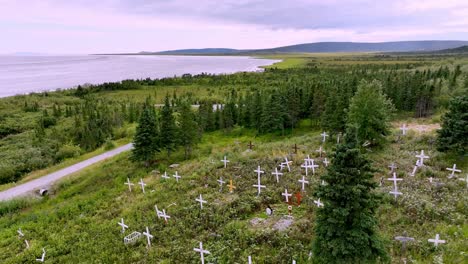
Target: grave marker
(250,145)
(286,195)
(303,182)
(259,185)
(466,180)
(421,157)
(392,167)
(453,170)
(318,203)
(298,198)
(295,148)
(395,191)
(277,174)
(177,176)
(404,239)
(201,201)
(324,136)
(20,233)
(123,225)
(148,236)
(158,213)
(231,186)
(132,238)
(320,151)
(202,252)
(403,129)
(165,176)
(394,179)
(142,185)
(129,184)
(338,137)
(225,161)
(164,215)
(43,256)
(287,163)
(313,166)
(436,241)
(326,162)
(221,182)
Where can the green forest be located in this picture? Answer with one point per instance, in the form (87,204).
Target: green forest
(188,124)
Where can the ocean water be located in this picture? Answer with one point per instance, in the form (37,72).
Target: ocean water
(26,74)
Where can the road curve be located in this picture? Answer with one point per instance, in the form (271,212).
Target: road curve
(48,179)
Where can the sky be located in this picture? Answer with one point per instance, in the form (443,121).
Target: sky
(100,26)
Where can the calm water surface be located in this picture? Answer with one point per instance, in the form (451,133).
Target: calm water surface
(25,74)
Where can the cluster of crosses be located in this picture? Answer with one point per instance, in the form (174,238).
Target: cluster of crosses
(21,235)
(309,164)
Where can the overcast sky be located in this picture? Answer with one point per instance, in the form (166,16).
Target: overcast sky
(93,26)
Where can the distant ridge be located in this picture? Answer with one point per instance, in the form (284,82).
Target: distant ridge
(462,49)
(322,47)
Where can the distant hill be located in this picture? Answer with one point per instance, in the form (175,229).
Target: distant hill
(462,49)
(321,47)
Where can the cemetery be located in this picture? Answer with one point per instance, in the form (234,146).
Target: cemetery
(241,196)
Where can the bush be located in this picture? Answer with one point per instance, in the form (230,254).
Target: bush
(68,151)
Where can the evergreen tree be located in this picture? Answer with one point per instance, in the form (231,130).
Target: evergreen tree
(453,136)
(369,113)
(145,141)
(345,227)
(168,127)
(188,130)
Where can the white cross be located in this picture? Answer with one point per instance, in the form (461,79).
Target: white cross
(394,178)
(158,213)
(430,179)
(177,176)
(148,236)
(202,252)
(287,163)
(221,182)
(324,136)
(294,262)
(164,215)
(165,175)
(403,129)
(123,225)
(313,166)
(225,161)
(436,240)
(326,162)
(259,185)
(395,191)
(421,158)
(286,195)
(201,201)
(142,185)
(303,182)
(453,170)
(338,138)
(258,171)
(392,167)
(318,203)
(277,174)
(250,260)
(466,180)
(320,151)
(306,167)
(282,165)
(129,184)
(27,243)
(20,233)
(414,169)
(42,257)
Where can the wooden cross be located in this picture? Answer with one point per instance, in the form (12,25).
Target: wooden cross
(43,256)
(165,175)
(436,240)
(287,163)
(225,161)
(148,236)
(231,186)
(158,213)
(177,176)
(20,233)
(303,182)
(250,145)
(259,185)
(298,198)
(338,138)
(202,252)
(164,215)
(404,239)
(295,148)
(403,129)
(277,174)
(286,195)
(142,185)
(392,167)
(394,178)
(466,180)
(320,151)
(421,157)
(318,203)
(201,201)
(326,162)
(324,136)
(313,166)
(453,170)
(221,182)
(129,184)
(395,191)
(123,225)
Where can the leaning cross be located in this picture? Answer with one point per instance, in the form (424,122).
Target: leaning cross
(436,240)
(202,252)
(148,236)
(221,182)
(287,163)
(142,185)
(123,225)
(318,203)
(453,170)
(129,184)
(313,166)
(286,195)
(43,256)
(165,175)
(421,157)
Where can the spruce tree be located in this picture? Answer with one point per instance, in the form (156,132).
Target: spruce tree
(369,113)
(168,127)
(345,227)
(188,130)
(145,141)
(453,136)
